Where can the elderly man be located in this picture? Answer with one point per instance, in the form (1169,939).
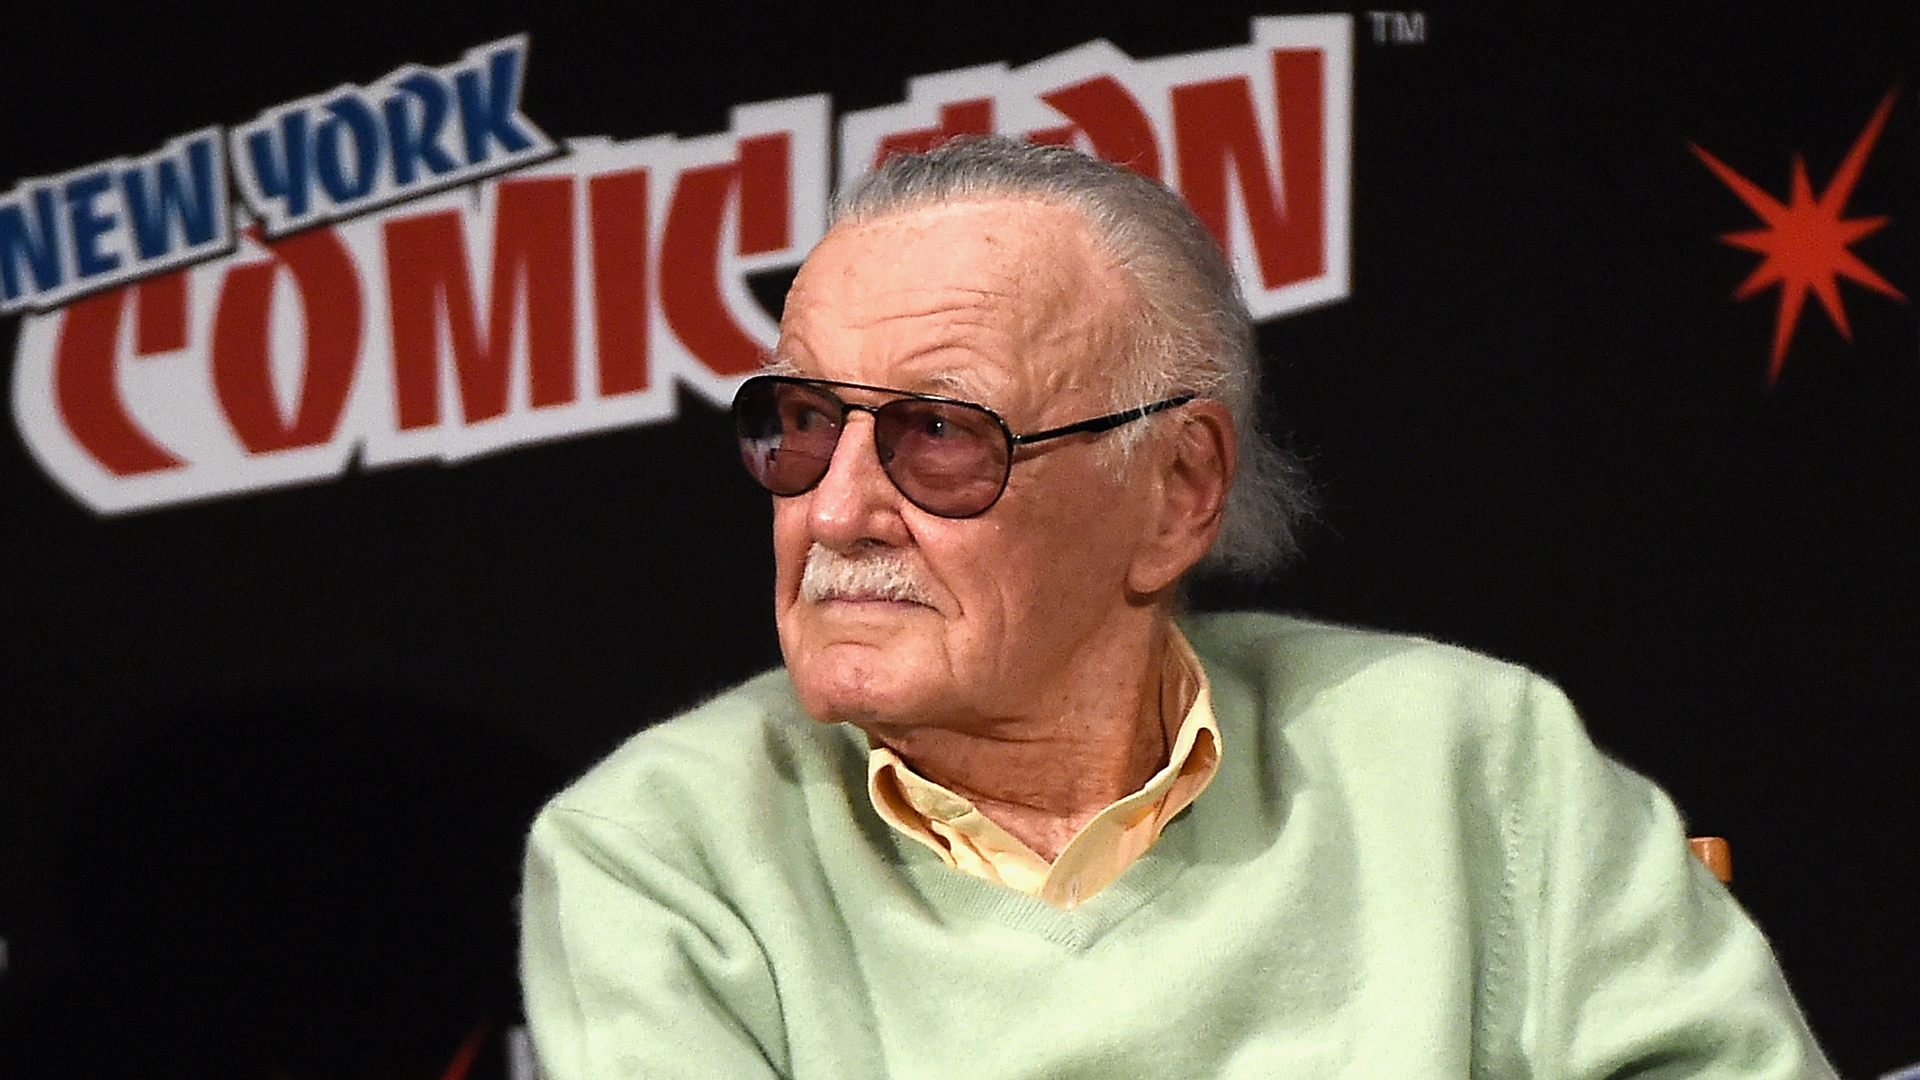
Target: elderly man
(1002,815)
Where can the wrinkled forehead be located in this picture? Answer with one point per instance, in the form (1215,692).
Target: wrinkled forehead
(973,299)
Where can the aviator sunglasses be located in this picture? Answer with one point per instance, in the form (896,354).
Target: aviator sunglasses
(950,458)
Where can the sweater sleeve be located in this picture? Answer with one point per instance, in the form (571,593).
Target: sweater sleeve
(632,967)
(1635,961)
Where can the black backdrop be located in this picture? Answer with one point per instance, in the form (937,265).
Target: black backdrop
(264,760)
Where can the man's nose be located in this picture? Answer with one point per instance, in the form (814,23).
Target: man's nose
(855,501)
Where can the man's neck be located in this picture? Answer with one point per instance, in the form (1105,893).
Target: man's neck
(1043,778)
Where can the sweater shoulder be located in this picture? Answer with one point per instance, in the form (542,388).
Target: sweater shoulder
(747,752)
(1374,692)
(1312,656)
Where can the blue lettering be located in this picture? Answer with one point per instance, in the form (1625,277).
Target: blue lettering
(18,242)
(353,119)
(89,225)
(413,148)
(490,109)
(195,205)
(286,175)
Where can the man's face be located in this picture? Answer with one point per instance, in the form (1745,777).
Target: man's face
(1009,304)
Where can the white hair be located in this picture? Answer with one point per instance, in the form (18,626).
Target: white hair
(1192,333)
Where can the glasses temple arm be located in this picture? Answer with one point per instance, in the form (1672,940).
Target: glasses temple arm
(1103,423)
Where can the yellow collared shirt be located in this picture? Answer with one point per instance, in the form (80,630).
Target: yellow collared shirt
(973,843)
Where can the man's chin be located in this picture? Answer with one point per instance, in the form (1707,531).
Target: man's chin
(838,704)
(856,681)
(853,660)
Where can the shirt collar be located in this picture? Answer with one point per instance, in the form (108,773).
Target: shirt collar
(971,842)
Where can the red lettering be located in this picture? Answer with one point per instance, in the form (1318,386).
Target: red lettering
(161,326)
(242,364)
(617,211)
(972,117)
(1113,122)
(690,272)
(766,161)
(1214,129)
(533,236)
(1062,135)
(427,276)
(84,388)
(690,294)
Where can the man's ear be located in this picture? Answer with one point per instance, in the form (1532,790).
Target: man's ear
(1192,470)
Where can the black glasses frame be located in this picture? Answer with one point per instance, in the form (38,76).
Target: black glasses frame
(1085,427)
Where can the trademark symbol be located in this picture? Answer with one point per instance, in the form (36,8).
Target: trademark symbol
(1398,27)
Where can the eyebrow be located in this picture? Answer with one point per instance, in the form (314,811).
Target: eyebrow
(954,384)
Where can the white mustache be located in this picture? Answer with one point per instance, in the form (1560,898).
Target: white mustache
(877,575)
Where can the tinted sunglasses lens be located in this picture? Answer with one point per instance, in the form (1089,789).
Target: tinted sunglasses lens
(787,433)
(949,459)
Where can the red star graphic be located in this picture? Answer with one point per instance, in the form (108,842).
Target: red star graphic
(1805,240)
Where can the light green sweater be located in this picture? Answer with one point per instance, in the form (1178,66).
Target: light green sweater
(1411,864)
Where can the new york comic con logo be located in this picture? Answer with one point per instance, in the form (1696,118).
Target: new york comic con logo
(416,271)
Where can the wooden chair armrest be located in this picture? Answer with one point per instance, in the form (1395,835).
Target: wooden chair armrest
(1713,851)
